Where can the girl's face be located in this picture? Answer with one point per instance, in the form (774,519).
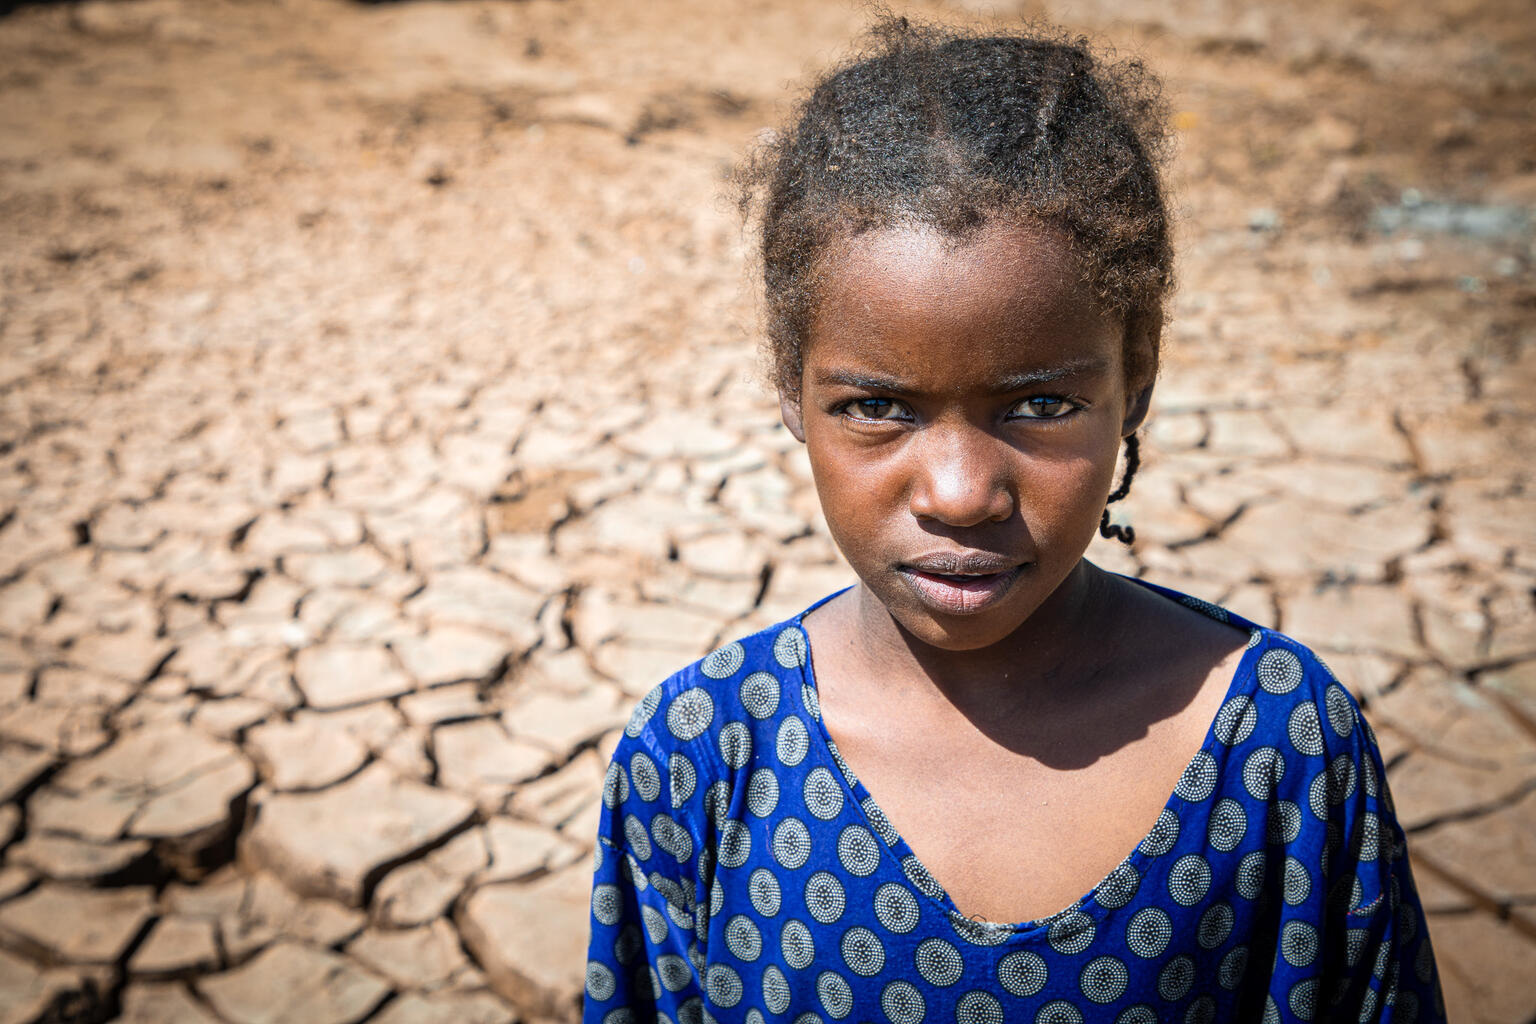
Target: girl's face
(962,404)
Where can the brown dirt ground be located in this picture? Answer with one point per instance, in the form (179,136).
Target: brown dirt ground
(238,239)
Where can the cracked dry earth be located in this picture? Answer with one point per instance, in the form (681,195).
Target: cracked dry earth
(378,420)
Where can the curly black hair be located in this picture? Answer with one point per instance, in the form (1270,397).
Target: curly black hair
(948,128)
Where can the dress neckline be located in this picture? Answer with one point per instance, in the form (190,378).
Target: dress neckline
(1107,895)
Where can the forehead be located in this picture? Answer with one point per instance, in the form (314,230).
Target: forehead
(1008,296)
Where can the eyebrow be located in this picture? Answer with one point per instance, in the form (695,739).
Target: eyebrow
(1002,385)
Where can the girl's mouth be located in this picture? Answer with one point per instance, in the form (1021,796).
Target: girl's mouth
(960,593)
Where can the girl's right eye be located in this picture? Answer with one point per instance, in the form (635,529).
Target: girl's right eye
(874,409)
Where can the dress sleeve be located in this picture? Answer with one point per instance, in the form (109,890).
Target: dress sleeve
(1383,963)
(644,958)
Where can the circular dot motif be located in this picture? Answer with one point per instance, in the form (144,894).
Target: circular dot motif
(601,984)
(812,701)
(674,971)
(789,648)
(881,823)
(762,792)
(717,803)
(1117,888)
(938,962)
(1189,879)
(1227,826)
(979,933)
(1070,932)
(1279,670)
(735,844)
(1175,979)
(1059,1011)
(635,834)
(723,662)
(1341,710)
(615,785)
(629,944)
(842,766)
(1148,932)
(1262,771)
(1141,1013)
(647,779)
(723,985)
(903,1003)
(791,843)
(743,939)
(863,952)
(672,837)
(978,1007)
(823,794)
(776,994)
(1022,973)
(1104,979)
(683,777)
(735,745)
(896,908)
(655,924)
(641,716)
(857,851)
(1205,608)
(1306,729)
(1303,999)
(1298,882)
(759,694)
(1298,943)
(1215,925)
(824,897)
(793,742)
(1284,825)
(920,877)
(796,944)
(1164,834)
(763,890)
(1199,778)
(1317,795)
(690,714)
(1236,720)
(835,994)
(1230,972)
(1250,875)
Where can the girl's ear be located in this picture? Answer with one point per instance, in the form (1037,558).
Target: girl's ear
(789,412)
(1136,411)
(1143,332)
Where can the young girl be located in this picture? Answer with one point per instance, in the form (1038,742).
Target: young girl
(990,782)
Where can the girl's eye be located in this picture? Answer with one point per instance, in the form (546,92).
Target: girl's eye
(1043,407)
(874,409)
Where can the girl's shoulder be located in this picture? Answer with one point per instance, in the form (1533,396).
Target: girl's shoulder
(707,718)
(1276,671)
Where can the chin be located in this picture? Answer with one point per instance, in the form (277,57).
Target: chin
(959,632)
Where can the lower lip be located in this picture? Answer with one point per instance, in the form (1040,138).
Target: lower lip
(961,596)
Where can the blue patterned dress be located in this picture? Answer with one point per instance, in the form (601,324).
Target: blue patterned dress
(743,873)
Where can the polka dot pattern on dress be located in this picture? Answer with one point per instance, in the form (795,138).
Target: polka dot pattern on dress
(744,873)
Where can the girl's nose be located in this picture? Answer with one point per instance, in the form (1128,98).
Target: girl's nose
(959,479)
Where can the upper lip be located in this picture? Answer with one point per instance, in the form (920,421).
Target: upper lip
(962,563)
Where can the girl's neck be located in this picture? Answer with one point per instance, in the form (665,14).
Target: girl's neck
(1054,654)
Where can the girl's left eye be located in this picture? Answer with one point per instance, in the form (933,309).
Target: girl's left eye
(1044,407)
(875,409)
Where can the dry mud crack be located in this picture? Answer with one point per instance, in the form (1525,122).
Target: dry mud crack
(379,419)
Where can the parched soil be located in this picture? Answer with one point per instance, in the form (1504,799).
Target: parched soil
(379,417)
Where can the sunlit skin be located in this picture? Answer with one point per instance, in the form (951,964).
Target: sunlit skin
(1020,715)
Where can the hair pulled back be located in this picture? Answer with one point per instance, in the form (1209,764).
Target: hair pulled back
(950,129)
